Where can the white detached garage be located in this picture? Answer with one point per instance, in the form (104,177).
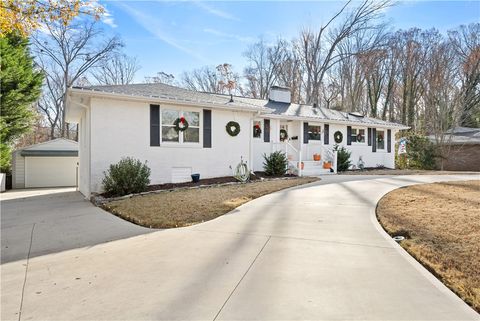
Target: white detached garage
(49,164)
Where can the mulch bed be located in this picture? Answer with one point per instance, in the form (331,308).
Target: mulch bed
(204,182)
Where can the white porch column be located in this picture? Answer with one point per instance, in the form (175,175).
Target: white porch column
(250,140)
(300,150)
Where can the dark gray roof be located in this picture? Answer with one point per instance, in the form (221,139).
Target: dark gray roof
(271,108)
(173,93)
(460,136)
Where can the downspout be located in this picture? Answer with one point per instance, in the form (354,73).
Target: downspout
(300,151)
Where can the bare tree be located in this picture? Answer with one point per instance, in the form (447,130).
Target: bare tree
(220,79)
(119,69)
(466,43)
(319,49)
(264,66)
(65,54)
(161,77)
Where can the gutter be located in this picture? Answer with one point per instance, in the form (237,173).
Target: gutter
(49,153)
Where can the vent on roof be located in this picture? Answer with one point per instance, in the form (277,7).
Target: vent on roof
(280,94)
(356,115)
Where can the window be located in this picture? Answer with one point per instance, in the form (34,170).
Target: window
(190,135)
(314,132)
(380,139)
(358,135)
(257,129)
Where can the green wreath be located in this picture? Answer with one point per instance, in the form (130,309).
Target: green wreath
(181,124)
(380,138)
(283,134)
(257,131)
(233,128)
(338,137)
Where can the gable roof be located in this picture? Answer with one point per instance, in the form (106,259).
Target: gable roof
(55,147)
(267,107)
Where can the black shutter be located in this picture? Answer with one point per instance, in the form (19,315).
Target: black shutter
(154,125)
(349,135)
(374,140)
(326,134)
(305,133)
(266,129)
(207,128)
(389,140)
(369,132)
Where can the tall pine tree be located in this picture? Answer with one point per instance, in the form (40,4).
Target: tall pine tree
(20,87)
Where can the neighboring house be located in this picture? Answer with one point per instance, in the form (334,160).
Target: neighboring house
(463,149)
(50,164)
(138,120)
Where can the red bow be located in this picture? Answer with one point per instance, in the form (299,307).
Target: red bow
(182,120)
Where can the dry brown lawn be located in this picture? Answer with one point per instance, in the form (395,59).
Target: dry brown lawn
(191,206)
(386,171)
(442,223)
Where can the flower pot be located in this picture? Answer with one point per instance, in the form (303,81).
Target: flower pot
(301,165)
(317,157)
(327,165)
(195,178)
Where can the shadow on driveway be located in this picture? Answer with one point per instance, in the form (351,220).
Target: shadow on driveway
(56,222)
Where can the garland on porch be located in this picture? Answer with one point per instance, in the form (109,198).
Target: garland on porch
(233,128)
(257,131)
(338,137)
(181,124)
(283,134)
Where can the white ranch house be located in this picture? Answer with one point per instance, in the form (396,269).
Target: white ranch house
(137,120)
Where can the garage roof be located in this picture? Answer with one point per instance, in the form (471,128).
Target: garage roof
(59,147)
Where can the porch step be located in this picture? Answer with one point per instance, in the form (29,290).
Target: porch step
(314,168)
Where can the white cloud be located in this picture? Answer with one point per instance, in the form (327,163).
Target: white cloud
(107,18)
(215,11)
(154,26)
(221,34)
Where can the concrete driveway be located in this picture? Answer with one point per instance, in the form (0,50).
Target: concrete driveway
(55,220)
(309,253)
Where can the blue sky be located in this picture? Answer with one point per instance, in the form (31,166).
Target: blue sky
(175,36)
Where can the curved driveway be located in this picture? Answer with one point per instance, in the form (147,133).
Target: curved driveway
(310,253)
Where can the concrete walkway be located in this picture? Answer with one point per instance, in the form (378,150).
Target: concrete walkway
(314,252)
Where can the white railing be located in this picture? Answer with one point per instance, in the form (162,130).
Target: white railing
(295,156)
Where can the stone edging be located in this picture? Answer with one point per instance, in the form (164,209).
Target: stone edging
(99,200)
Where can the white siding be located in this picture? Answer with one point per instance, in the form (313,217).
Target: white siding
(84,153)
(18,170)
(120,129)
(371,159)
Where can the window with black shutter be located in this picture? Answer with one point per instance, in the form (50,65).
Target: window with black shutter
(349,135)
(326,134)
(266,127)
(154,125)
(305,133)
(207,128)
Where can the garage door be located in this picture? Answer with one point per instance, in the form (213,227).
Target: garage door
(50,171)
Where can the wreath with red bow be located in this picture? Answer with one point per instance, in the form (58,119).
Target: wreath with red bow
(257,131)
(181,124)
